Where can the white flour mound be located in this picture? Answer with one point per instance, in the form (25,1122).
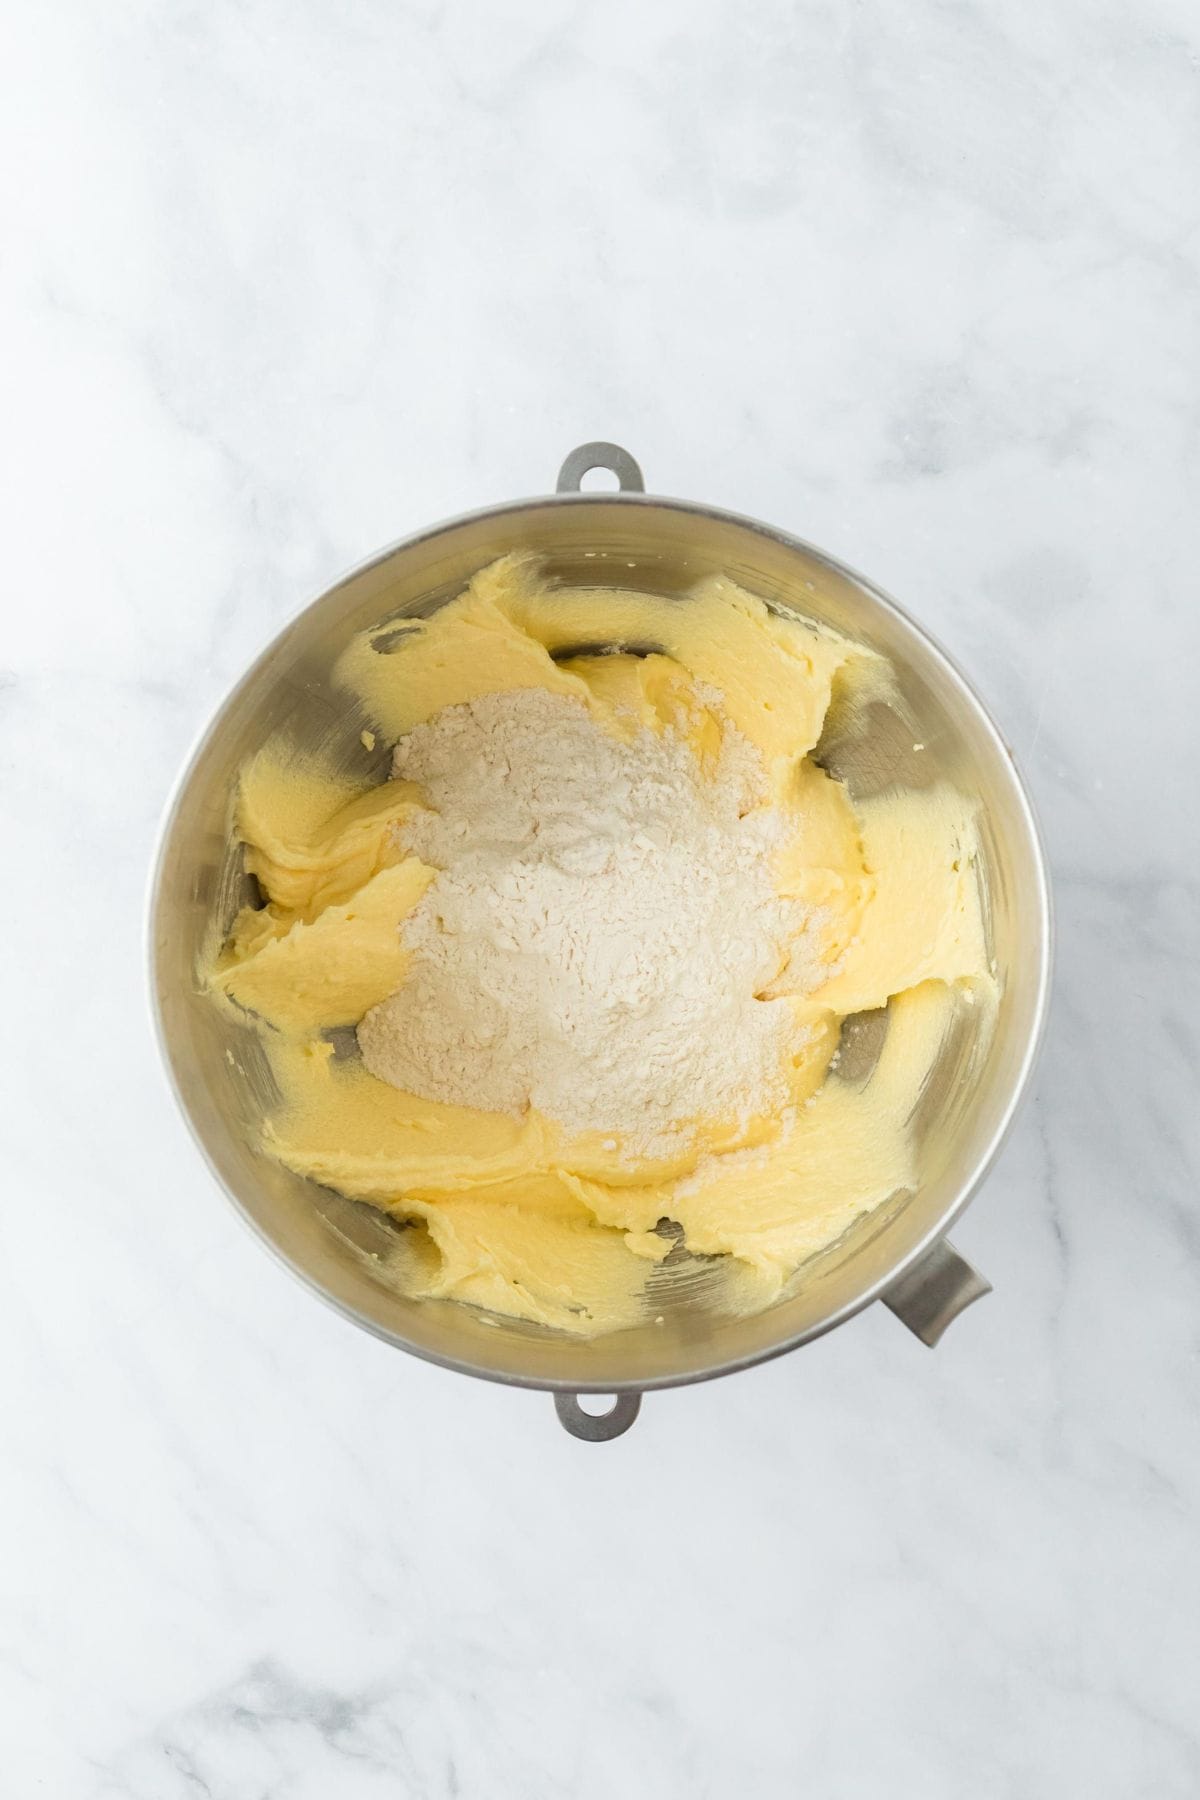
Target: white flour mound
(603,920)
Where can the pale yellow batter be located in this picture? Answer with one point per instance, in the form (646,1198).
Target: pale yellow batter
(513,1214)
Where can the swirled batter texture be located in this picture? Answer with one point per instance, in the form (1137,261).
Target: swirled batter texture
(565,1220)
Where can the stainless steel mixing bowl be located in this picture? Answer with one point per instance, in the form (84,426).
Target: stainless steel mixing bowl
(340,1248)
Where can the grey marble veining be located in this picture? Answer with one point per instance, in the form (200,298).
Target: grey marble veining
(279,284)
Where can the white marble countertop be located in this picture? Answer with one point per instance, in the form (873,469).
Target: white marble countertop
(281,283)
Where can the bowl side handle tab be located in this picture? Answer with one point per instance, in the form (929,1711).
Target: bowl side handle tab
(931,1294)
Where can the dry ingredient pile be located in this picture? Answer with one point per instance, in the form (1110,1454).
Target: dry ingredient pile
(564,993)
(602,927)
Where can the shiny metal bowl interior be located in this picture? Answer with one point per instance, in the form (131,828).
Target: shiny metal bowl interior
(340,1248)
